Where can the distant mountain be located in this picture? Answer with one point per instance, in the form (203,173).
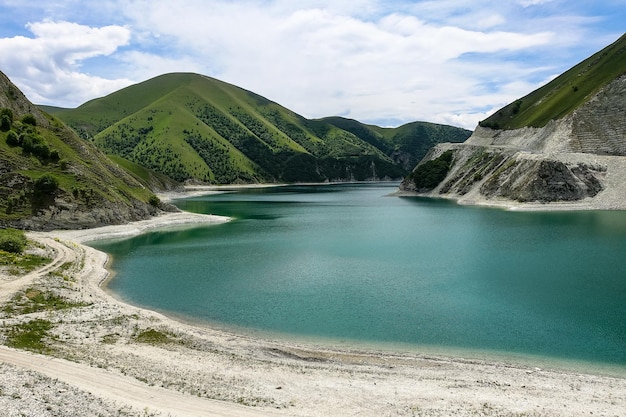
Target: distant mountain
(564,142)
(51,178)
(406,145)
(195,128)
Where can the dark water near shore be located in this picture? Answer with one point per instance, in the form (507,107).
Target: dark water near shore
(348,262)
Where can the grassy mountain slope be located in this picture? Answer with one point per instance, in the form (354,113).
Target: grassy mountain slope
(406,145)
(565,93)
(192,127)
(49,177)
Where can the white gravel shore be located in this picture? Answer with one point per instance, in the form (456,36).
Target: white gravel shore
(107,358)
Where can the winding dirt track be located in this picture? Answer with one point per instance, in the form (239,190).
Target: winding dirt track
(63,254)
(125,390)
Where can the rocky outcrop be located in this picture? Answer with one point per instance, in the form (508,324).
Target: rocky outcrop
(568,160)
(78,188)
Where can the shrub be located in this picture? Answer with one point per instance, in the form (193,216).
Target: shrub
(26,141)
(29,119)
(54,155)
(154,201)
(12,240)
(41,150)
(46,185)
(6,119)
(5,123)
(13,138)
(6,112)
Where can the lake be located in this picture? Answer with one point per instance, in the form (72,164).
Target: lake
(351,264)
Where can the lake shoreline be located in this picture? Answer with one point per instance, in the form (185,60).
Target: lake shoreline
(255,376)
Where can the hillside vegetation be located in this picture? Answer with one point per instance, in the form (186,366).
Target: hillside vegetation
(51,178)
(406,144)
(195,128)
(565,93)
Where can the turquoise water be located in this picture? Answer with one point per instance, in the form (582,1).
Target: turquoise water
(348,262)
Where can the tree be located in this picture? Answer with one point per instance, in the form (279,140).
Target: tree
(27,143)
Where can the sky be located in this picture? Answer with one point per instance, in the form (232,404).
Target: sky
(382,62)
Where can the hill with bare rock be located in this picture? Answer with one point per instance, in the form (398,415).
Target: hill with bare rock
(50,178)
(519,158)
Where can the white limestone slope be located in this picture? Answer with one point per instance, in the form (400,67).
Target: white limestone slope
(577,162)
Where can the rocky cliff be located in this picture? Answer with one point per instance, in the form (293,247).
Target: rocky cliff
(580,158)
(51,179)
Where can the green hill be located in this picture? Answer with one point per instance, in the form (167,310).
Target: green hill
(406,145)
(195,128)
(565,93)
(51,178)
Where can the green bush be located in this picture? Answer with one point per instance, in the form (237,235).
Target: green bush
(41,150)
(5,123)
(154,201)
(26,141)
(6,112)
(13,241)
(6,119)
(13,138)
(29,119)
(46,185)
(428,175)
(31,336)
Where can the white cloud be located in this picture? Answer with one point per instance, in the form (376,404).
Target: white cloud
(528,3)
(444,60)
(49,65)
(320,62)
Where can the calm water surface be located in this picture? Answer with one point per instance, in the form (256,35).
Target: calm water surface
(348,262)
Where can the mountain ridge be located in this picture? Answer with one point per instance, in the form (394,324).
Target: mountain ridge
(195,128)
(567,92)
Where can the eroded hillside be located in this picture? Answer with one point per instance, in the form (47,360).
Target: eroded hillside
(50,178)
(580,158)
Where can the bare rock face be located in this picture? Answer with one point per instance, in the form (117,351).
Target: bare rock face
(568,160)
(599,127)
(544,181)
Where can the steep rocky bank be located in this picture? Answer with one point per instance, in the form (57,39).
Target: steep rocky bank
(579,159)
(52,179)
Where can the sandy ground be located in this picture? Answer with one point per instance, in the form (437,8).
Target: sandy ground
(102,361)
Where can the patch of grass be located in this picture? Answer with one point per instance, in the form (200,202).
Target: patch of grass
(19,264)
(12,240)
(154,337)
(33,301)
(30,336)
(62,270)
(110,339)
